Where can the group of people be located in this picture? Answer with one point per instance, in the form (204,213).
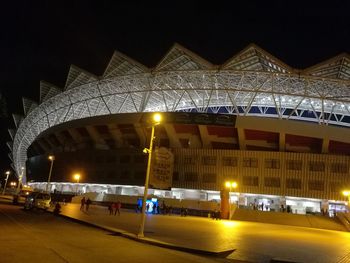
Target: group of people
(183,211)
(114,208)
(85,204)
(216,214)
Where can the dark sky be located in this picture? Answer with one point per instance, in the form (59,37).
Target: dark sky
(40,39)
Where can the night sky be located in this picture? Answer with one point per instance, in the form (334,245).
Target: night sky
(41,39)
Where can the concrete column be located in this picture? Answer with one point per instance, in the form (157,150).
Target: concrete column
(225,204)
(204,136)
(241,139)
(96,137)
(172,135)
(116,134)
(325,145)
(282,142)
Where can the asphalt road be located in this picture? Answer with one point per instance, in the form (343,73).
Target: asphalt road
(37,236)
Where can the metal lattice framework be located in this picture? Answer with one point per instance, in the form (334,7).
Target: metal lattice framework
(251,83)
(236,92)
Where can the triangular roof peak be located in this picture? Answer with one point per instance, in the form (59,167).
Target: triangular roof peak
(254,57)
(181,58)
(28,105)
(121,64)
(334,67)
(78,76)
(48,90)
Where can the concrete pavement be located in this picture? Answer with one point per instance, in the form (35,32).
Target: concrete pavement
(249,241)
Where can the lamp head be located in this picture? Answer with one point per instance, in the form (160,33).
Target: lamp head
(51,157)
(76,176)
(157,118)
(346,193)
(145,150)
(7,172)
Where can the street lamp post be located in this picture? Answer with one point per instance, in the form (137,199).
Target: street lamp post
(77,177)
(156,120)
(346,193)
(7,177)
(51,158)
(230,185)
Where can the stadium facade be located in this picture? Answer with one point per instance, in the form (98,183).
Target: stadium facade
(283,134)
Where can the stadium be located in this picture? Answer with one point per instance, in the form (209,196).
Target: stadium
(282,134)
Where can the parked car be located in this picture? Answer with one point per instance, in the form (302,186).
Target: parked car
(37,200)
(21,196)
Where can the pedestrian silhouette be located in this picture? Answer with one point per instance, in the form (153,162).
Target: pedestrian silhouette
(117,208)
(87,204)
(82,203)
(110,208)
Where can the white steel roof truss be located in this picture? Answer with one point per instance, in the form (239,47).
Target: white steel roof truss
(193,102)
(233,100)
(277,107)
(295,111)
(178,101)
(188,91)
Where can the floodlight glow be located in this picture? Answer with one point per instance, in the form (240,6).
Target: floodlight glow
(157,118)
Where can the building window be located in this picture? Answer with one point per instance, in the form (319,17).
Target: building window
(125,174)
(189,160)
(316,185)
(110,159)
(139,175)
(229,161)
(316,166)
(99,159)
(293,183)
(176,176)
(272,182)
(340,168)
(209,160)
(209,178)
(335,187)
(250,162)
(295,165)
(191,177)
(124,159)
(272,163)
(140,158)
(250,181)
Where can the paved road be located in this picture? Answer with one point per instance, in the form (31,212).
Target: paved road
(36,236)
(256,242)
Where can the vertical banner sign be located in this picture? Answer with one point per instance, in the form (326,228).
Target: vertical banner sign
(162,169)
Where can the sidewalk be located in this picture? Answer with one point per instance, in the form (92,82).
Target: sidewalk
(250,241)
(160,230)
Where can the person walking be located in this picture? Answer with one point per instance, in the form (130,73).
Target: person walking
(110,208)
(82,204)
(118,205)
(87,204)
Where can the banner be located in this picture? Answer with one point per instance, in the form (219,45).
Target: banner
(162,169)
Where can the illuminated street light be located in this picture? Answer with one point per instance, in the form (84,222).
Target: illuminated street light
(52,159)
(77,178)
(7,177)
(156,119)
(230,185)
(346,193)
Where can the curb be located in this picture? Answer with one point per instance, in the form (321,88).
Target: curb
(154,242)
(279,260)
